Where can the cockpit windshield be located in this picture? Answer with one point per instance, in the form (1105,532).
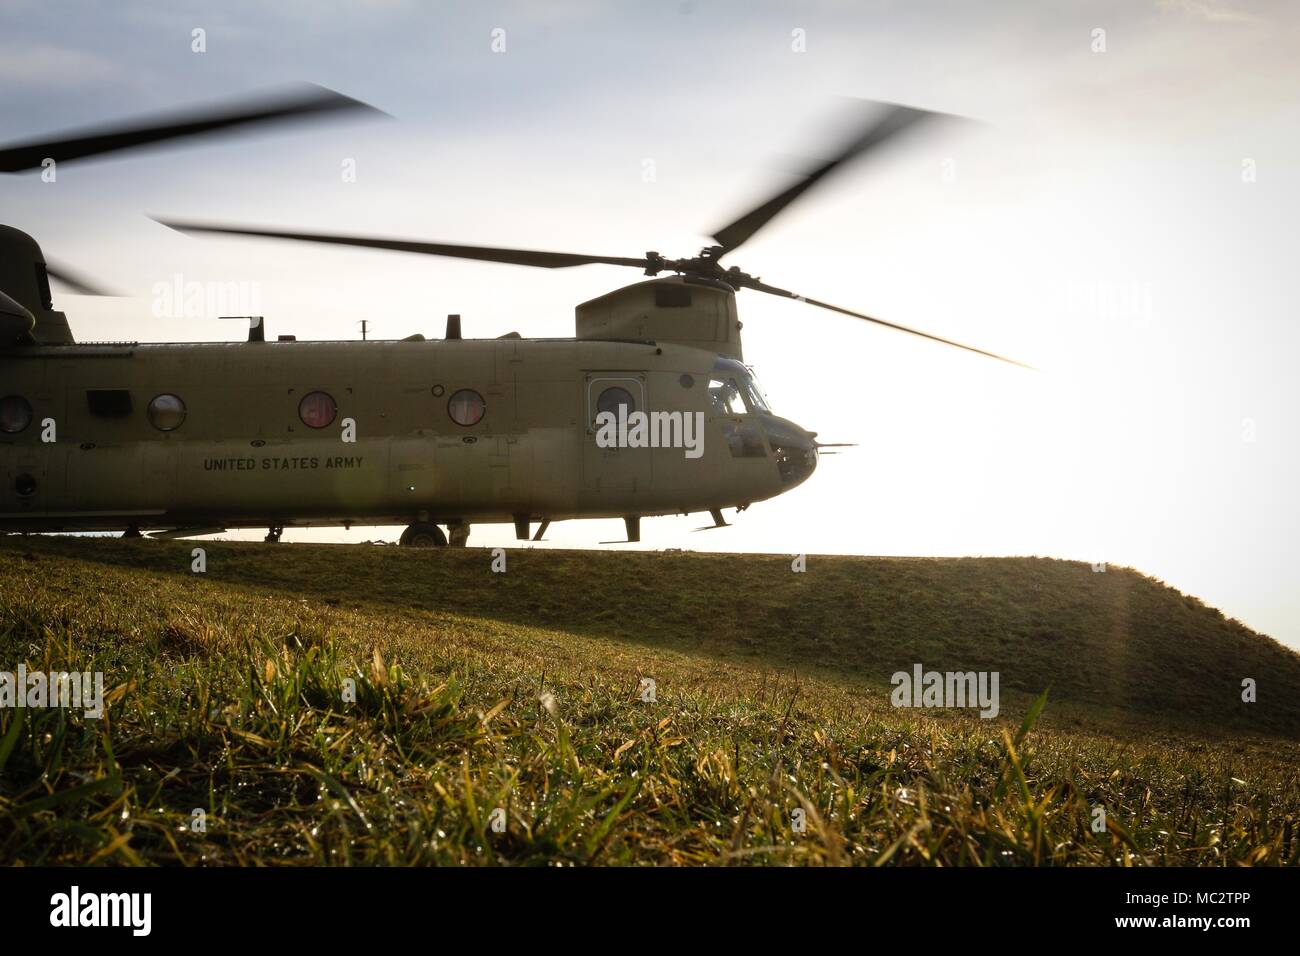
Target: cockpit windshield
(733,390)
(757,399)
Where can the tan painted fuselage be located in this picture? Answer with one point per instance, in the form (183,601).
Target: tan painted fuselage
(243,457)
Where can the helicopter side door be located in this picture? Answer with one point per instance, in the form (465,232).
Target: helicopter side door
(615,474)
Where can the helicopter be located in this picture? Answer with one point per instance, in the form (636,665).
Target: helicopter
(648,410)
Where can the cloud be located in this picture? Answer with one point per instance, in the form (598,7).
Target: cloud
(1215,11)
(62,67)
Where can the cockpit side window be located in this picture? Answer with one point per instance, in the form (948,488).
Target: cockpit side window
(730,376)
(725,397)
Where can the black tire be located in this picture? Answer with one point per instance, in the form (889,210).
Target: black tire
(423,536)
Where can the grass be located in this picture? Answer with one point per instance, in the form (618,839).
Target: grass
(519,693)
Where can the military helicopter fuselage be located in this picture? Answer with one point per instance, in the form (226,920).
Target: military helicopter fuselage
(203,436)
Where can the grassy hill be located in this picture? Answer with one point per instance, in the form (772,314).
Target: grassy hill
(521,692)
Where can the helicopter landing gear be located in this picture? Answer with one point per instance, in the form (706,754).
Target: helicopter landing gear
(132,532)
(422,535)
(458,534)
(273,535)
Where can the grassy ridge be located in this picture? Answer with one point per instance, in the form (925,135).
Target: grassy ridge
(477,691)
(1114,644)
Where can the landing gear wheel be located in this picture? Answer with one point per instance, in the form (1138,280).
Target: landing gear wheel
(273,535)
(458,534)
(421,535)
(132,532)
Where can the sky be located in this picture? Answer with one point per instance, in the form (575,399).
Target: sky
(1119,213)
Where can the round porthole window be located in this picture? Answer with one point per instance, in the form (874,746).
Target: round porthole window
(466,407)
(166,412)
(317,409)
(15,414)
(612,398)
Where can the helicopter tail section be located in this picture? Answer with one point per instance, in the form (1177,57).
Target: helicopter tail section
(27,314)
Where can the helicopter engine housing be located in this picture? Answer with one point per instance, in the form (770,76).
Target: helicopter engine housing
(698,313)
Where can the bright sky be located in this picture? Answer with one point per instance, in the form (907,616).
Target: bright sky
(1124,220)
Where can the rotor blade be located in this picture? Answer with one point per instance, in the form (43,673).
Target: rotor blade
(773,290)
(142,131)
(76,282)
(881,128)
(519,257)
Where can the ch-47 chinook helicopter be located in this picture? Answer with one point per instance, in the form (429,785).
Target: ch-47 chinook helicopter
(181,439)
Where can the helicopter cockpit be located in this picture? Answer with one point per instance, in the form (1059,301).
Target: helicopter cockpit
(734,394)
(733,390)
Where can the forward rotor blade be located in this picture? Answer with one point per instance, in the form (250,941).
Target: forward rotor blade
(519,257)
(130,134)
(773,290)
(76,282)
(878,131)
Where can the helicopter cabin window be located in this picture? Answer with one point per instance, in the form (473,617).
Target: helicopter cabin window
(466,407)
(166,412)
(15,414)
(317,409)
(109,402)
(614,398)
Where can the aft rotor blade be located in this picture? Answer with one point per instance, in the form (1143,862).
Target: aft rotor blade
(519,257)
(76,282)
(878,131)
(773,290)
(315,101)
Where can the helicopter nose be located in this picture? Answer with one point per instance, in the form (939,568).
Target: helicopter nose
(795,449)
